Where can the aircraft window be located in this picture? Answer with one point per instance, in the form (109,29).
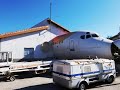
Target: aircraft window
(82,37)
(95,35)
(88,36)
(87,32)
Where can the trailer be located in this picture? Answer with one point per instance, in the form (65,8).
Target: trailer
(81,73)
(8,68)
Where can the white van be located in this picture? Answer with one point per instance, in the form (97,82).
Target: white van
(80,73)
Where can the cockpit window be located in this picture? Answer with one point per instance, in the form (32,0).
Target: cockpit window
(87,32)
(95,35)
(82,37)
(88,36)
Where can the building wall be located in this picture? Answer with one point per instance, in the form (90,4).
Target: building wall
(57,30)
(16,44)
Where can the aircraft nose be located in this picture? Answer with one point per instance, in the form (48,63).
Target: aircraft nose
(115,47)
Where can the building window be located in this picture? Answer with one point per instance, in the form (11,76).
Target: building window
(29,52)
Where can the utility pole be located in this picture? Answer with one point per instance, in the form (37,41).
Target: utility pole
(50,12)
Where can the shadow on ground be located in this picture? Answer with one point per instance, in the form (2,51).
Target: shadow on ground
(49,86)
(31,75)
(102,84)
(26,75)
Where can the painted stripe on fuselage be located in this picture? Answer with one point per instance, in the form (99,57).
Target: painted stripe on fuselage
(61,38)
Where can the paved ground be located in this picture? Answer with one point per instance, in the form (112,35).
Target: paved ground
(44,82)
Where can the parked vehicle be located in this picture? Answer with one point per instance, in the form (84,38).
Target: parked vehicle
(8,68)
(81,73)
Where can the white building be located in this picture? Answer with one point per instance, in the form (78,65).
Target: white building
(25,44)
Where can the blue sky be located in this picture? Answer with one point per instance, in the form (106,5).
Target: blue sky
(101,16)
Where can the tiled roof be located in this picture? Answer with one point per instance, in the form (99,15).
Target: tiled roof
(23,32)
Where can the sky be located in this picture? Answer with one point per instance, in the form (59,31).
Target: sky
(101,16)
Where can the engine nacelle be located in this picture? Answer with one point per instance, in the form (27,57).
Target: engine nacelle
(116,45)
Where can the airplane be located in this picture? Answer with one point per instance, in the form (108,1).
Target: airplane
(82,44)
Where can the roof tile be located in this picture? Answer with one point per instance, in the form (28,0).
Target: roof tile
(23,31)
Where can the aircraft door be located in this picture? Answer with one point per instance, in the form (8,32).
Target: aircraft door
(72,50)
(71,44)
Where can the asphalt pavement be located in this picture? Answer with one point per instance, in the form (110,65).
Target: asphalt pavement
(45,82)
